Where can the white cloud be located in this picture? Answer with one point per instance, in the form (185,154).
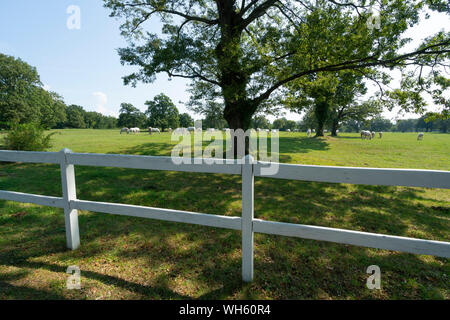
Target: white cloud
(100,102)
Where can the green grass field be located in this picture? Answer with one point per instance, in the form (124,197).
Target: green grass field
(132,258)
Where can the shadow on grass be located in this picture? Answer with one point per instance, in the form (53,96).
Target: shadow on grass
(347,137)
(161,260)
(150,149)
(287,145)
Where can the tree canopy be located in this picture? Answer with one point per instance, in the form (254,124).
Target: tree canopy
(186,120)
(20,90)
(162,112)
(130,116)
(243,54)
(23,100)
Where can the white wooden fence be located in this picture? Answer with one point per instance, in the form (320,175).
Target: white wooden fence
(247,223)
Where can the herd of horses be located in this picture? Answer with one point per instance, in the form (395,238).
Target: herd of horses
(137,130)
(365,134)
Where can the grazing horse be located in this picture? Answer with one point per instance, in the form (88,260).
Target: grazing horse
(308,133)
(366,134)
(150,130)
(124,130)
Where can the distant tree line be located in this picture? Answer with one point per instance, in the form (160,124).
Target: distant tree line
(161,113)
(352,125)
(402,125)
(77,117)
(24,100)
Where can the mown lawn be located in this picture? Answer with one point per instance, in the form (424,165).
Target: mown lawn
(132,258)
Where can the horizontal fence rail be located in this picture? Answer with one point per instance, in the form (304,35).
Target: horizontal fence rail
(160,214)
(154,163)
(364,239)
(353,175)
(27,156)
(32,198)
(247,223)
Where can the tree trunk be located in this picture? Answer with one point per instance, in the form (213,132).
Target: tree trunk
(238,117)
(319,130)
(334,128)
(233,76)
(321,111)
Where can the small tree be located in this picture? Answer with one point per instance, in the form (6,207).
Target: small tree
(75,117)
(28,137)
(186,120)
(260,122)
(162,112)
(130,116)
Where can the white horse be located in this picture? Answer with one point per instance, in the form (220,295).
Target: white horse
(124,130)
(366,135)
(150,130)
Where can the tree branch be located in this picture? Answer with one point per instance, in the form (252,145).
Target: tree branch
(174,12)
(356,64)
(257,12)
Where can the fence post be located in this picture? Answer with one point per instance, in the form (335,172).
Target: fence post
(69,193)
(247,218)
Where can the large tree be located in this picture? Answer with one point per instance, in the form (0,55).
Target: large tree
(162,112)
(186,120)
(130,116)
(75,117)
(20,87)
(346,105)
(360,112)
(53,110)
(243,53)
(318,94)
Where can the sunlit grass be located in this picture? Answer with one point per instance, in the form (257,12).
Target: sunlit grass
(133,258)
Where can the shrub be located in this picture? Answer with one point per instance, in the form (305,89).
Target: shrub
(27,137)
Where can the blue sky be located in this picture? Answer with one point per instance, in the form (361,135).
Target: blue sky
(83,65)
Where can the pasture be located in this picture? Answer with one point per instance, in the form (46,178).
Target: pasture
(132,258)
